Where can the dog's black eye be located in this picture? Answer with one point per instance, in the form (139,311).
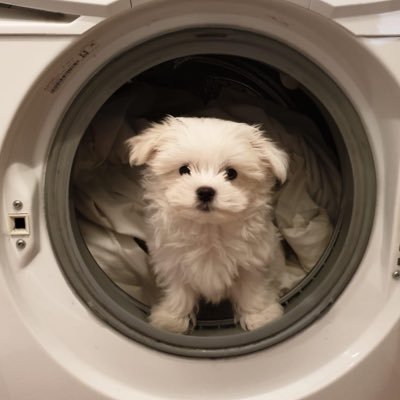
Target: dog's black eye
(184,170)
(231,174)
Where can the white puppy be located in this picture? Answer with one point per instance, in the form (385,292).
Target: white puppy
(208,185)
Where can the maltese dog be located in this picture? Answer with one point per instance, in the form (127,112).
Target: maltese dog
(208,187)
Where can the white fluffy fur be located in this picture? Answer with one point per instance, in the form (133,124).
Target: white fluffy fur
(231,251)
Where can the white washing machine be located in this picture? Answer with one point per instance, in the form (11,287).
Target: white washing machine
(69,332)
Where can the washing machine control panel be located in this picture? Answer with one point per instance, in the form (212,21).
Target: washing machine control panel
(106,8)
(351,8)
(97,8)
(373,18)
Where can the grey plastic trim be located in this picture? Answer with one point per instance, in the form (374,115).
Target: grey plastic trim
(339,263)
(97,9)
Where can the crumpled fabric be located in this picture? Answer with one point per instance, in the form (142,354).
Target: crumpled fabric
(108,196)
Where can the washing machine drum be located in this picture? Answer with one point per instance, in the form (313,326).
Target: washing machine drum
(94,199)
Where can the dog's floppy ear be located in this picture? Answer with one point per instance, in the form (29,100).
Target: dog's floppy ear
(144,145)
(270,154)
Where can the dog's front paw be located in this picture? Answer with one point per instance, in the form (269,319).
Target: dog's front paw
(254,320)
(162,320)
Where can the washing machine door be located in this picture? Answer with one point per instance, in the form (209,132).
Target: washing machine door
(74,333)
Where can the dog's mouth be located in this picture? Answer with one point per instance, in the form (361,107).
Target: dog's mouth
(204,207)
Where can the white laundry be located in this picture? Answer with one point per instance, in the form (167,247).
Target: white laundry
(108,196)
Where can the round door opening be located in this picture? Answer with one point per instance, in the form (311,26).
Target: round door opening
(94,199)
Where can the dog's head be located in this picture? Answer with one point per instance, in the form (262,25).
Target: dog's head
(208,169)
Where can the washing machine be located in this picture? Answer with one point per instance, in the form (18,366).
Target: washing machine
(67,330)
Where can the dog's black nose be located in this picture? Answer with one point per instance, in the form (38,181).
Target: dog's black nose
(205,194)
